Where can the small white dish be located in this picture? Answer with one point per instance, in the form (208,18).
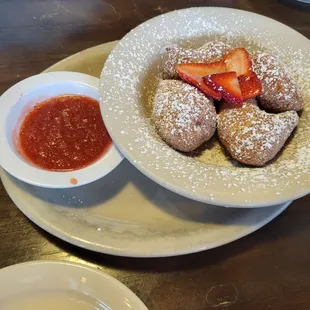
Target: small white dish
(63,286)
(22,97)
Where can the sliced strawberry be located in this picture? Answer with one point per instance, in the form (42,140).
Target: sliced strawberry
(250,85)
(227,84)
(193,73)
(198,82)
(238,60)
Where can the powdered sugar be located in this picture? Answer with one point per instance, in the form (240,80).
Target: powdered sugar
(280,92)
(132,74)
(183,116)
(209,52)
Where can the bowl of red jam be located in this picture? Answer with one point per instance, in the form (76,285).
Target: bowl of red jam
(53,134)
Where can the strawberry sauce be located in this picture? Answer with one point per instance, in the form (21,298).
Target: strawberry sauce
(64,133)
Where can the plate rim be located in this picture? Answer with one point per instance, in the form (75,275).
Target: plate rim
(68,264)
(65,236)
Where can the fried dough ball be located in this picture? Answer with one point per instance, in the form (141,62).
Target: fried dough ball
(183,116)
(251,135)
(209,52)
(280,93)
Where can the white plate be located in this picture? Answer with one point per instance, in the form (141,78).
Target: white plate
(52,285)
(128,83)
(126,213)
(22,97)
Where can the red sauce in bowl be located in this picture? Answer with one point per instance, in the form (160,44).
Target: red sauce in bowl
(64,133)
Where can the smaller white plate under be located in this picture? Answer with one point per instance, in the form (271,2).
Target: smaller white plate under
(125,213)
(52,285)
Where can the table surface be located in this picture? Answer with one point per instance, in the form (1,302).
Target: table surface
(269,269)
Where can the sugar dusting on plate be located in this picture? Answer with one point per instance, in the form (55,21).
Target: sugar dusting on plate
(128,84)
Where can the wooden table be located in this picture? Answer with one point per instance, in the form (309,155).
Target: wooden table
(269,269)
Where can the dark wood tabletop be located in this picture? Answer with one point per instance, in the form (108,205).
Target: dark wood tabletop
(269,269)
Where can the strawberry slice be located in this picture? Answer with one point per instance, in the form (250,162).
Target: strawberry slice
(193,73)
(238,60)
(250,85)
(227,85)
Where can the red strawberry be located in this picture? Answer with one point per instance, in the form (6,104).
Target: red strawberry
(193,73)
(227,84)
(238,60)
(250,85)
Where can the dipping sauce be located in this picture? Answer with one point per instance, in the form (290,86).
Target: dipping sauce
(64,133)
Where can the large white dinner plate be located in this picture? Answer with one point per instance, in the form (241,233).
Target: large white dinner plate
(63,286)
(125,213)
